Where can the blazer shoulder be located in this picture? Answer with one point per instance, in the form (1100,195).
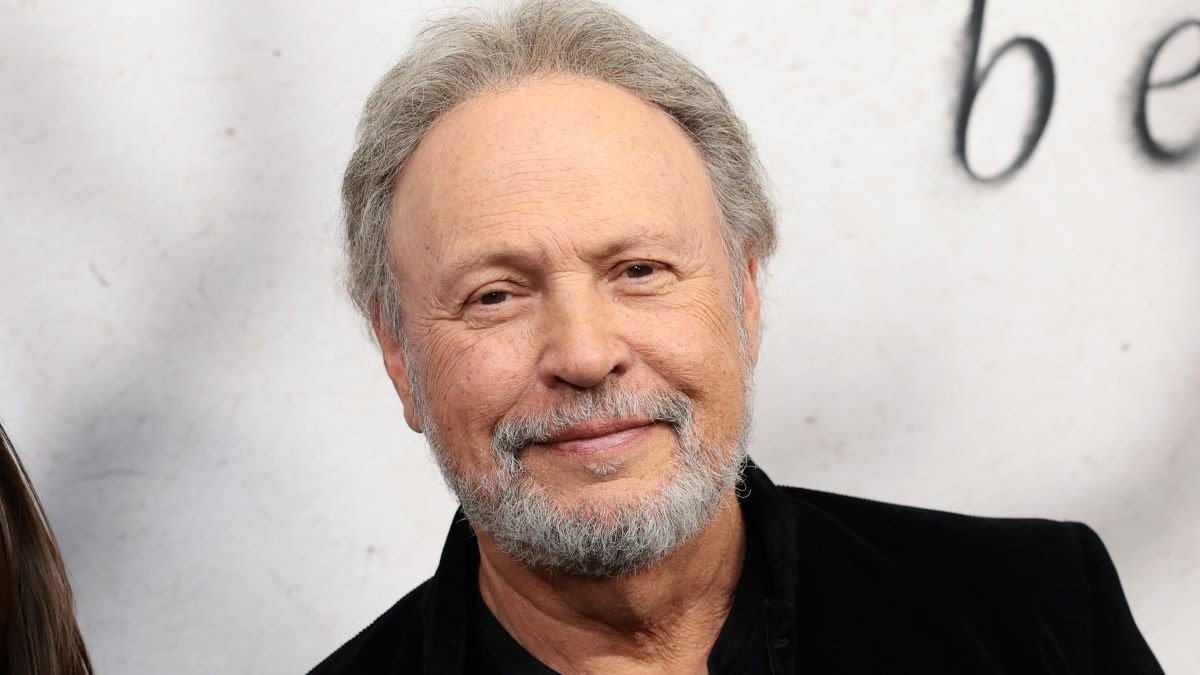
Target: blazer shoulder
(392,643)
(997,574)
(929,534)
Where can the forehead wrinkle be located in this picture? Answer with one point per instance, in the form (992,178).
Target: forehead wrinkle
(534,183)
(479,170)
(514,140)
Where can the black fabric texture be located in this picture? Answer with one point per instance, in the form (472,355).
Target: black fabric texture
(495,651)
(851,586)
(741,646)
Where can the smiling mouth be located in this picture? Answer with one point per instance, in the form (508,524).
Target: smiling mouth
(600,436)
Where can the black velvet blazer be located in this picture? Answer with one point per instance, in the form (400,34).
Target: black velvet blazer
(856,586)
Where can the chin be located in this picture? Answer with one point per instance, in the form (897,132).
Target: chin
(607,529)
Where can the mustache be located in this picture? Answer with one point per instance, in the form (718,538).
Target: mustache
(513,435)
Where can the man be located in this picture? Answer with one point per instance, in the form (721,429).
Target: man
(555,225)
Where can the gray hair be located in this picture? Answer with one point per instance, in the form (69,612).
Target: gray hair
(463,56)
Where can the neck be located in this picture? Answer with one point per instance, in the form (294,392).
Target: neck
(666,617)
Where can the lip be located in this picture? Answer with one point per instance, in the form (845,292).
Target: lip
(591,438)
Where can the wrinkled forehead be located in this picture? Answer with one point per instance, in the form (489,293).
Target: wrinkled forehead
(567,157)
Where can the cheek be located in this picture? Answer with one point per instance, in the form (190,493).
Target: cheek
(472,381)
(695,348)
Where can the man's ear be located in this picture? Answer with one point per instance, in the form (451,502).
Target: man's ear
(751,312)
(397,370)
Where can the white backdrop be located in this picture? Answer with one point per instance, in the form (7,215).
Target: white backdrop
(221,453)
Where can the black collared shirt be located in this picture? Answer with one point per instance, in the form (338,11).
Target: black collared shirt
(741,646)
(849,586)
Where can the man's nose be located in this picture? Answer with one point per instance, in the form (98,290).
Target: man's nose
(583,342)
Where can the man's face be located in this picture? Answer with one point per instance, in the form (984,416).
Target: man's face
(560,242)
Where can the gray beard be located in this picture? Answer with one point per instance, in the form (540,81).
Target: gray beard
(607,540)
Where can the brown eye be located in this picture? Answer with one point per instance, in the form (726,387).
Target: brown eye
(493,298)
(639,270)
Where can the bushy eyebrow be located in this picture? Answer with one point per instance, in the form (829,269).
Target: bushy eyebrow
(620,246)
(520,259)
